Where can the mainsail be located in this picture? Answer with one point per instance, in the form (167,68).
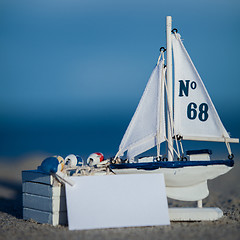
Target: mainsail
(195,116)
(147,127)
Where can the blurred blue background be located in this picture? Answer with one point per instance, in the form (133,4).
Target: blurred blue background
(72,72)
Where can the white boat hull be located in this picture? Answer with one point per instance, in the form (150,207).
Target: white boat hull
(186,183)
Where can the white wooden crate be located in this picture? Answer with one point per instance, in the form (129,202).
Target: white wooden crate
(43,198)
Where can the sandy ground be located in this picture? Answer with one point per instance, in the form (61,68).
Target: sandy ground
(224,193)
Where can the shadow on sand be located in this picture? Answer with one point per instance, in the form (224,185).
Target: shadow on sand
(11,205)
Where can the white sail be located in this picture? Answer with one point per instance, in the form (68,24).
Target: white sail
(195,116)
(147,127)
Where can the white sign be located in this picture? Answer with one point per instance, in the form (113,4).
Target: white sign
(111,201)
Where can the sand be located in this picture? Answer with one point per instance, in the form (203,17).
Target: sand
(224,193)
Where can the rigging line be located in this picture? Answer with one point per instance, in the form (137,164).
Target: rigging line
(161,55)
(158,150)
(171,125)
(228,147)
(159,58)
(180,142)
(178,155)
(168,108)
(166,149)
(117,155)
(175,34)
(159,107)
(177,145)
(163,58)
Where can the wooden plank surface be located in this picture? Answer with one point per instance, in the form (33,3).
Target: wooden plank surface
(45,217)
(54,204)
(43,189)
(37,176)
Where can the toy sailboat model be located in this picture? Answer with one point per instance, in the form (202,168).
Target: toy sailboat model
(193,117)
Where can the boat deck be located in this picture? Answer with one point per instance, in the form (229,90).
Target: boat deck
(171,164)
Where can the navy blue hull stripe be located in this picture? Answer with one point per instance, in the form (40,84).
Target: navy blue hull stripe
(172,164)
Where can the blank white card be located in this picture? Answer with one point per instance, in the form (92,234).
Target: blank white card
(111,201)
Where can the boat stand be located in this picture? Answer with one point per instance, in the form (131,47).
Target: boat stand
(195,214)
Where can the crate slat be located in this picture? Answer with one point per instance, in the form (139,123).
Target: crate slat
(45,217)
(54,204)
(43,189)
(38,176)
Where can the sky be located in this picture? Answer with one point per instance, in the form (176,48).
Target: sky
(86,63)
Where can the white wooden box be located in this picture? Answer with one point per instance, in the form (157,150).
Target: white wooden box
(43,198)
